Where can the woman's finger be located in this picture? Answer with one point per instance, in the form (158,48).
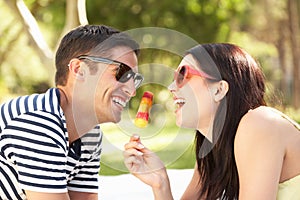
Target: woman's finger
(135,137)
(133,164)
(134,144)
(132,152)
(131,160)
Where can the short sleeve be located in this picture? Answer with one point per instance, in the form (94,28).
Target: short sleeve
(35,144)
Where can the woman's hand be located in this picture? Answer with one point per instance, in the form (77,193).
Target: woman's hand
(147,166)
(143,163)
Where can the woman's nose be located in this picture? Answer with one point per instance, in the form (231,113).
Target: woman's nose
(172,87)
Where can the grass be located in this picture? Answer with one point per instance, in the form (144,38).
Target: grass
(172,144)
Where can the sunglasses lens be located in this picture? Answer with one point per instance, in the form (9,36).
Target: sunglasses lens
(124,73)
(181,75)
(125,76)
(138,79)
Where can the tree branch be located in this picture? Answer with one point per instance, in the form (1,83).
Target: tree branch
(32,29)
(82,12)
(294,34)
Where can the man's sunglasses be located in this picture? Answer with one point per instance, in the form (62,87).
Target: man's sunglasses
(124,72)
(183,73)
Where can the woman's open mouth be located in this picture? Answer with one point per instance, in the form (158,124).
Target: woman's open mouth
(179,102)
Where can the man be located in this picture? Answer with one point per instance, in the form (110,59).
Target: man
(51,143)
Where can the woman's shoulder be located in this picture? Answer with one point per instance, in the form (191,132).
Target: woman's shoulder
(260,117)
(263,129)
(264,116)
(263,122)
(263,111)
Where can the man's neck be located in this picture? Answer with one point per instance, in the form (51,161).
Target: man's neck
(77,123)
(65,103)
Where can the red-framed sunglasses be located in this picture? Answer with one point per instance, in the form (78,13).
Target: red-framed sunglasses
(183,73)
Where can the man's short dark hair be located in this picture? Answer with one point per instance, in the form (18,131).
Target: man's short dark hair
(84,40)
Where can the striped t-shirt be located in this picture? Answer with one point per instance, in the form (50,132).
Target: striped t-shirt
(35,153)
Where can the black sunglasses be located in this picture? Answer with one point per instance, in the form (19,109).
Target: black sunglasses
(124,72)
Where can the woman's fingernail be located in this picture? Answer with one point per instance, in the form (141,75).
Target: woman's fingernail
(141,146)
(136,136)
(140,153)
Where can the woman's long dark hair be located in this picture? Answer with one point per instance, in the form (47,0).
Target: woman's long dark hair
(216,162)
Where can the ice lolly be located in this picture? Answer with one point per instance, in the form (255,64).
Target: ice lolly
(142,116)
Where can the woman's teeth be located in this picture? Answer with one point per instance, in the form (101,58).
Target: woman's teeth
(179,102)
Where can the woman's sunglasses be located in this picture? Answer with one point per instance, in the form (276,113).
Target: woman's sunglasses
(124,72)
(183,73)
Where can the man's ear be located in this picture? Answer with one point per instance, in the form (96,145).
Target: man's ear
(76,69)
(220,90)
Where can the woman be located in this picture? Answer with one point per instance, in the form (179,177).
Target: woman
(244,149)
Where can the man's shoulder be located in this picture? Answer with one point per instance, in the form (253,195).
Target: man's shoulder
(38,106)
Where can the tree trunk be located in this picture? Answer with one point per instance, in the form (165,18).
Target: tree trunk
(294,40)
(75,15)
(281,48)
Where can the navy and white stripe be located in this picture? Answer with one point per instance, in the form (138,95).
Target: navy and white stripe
(35,153)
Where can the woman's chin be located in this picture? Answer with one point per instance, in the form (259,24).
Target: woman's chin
(182,124)
(178,123)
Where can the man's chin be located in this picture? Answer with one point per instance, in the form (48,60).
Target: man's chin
(111,120)
(116,119)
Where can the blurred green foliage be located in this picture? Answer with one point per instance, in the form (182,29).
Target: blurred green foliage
(204,21)
(243,22)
